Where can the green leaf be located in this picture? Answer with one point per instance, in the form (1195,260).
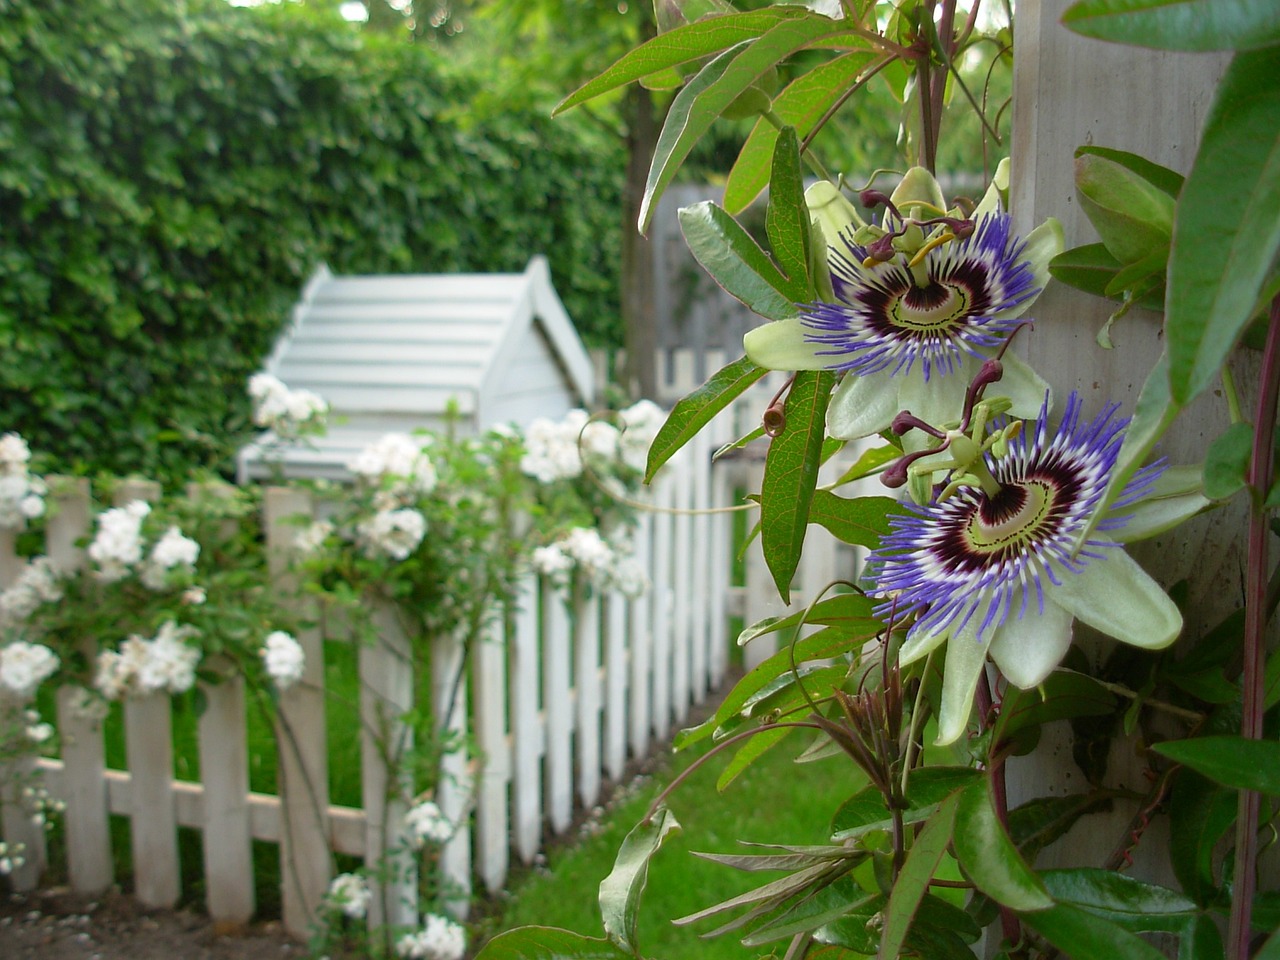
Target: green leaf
(735,261)
(1037,823)
(787,216)
(989,857)
(549,943)
(800,105)
(1192,25)
(913,879)
(1063,695)
(1226,233)
(621,891)
(716,86)
(1227,462)
(860,520)
(1170,181)
(1132,216)
(1271,949)
(1200,813)
(856,930)
(695,411)
(1201,940)
(870,461)
(681,45)
(791,474)
(1236,762)
(865,811)
(1090,268)
(1136,905)
(1081,934)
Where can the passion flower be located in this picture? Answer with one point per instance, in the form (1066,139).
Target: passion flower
(997,567)
(915,304)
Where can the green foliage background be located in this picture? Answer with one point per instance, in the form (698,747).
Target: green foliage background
(172,172)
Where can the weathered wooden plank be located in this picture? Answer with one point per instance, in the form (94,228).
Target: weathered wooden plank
(224,767)
(524,670)
(615,685)
(453,792)
(586,675)
(558,709)
(305,862)
(153,825)
(84,789)
(490,683)
(386,695)
(640,644)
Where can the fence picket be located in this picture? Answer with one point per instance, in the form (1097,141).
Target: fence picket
(224,765)
(528,743)
(586,674)
(557,708)
(661,598)
(89,863)
(453,791)
(386,694)
(493,842)
(148,736)
(305,861)
(682,599)
(615,685)
(640,636)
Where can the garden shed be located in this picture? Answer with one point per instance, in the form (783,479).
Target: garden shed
(396,353)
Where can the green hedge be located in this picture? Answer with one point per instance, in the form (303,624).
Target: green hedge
(171,172)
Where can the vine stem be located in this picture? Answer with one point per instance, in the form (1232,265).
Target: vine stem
(1009,923)
(1255,622)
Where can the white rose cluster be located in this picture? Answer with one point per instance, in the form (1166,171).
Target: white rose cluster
(439,939)
(117,544)
(173,551)
(583,549)
(398,465)
(640,424)
(141,666)
(21,493)
(350,893)
(288,413)
(554,448)
(39,583)
(426,823)
(391,533)
(24,666)
(283,658)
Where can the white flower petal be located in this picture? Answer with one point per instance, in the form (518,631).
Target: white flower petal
(920,644)
(781,345)
(831,210)
(862,405)
(991,200)
(1027,649)
(1117,596)
(1042,244)
(1174,497)
(1022,385)
(966,657)
(940,401)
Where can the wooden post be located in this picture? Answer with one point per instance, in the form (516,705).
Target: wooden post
(386,694)
(89,860)
(305,862)
(1070,91)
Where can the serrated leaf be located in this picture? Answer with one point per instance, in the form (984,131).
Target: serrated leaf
(622,890)
(716,86)
(1191,25)
(1226,233)
(1133,904)
(800,105)
(549,943)
(734,260)
(1227,462)
(791,475)
(860,520)
(988,856)
(1081,934)
(913,879)
(787,216)
(696,410)
(683,44)
(1236,762)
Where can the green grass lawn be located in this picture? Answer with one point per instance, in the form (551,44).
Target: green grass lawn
(774,801)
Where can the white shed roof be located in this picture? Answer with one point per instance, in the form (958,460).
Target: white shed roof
(392,352)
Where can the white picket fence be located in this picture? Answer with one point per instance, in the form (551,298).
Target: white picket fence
(555,709)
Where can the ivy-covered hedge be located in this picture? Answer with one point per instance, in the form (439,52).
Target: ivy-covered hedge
(171,171)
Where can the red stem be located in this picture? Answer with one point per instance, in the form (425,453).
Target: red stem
(1260,475)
